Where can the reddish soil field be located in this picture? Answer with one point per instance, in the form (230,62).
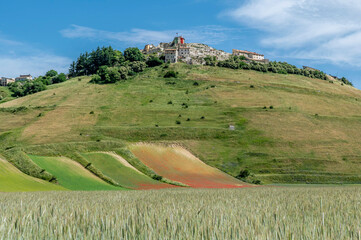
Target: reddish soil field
(118,169)
(178,164)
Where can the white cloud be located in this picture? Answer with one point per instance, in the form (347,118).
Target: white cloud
(36,65)
(315,29)
(19,58)
(205,34)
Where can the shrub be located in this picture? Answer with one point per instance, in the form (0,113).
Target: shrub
(59,78)
(154,61)
(195,84)
(244,174)
(170,102)
(170,74)
(95,79)
(271,107)
(137,66)
(257,182)
(157,177)
(178,122)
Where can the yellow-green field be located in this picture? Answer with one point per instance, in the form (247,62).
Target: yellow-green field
(13,180)
(249,213)
(311,134)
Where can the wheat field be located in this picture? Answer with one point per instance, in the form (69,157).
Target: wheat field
(249,213)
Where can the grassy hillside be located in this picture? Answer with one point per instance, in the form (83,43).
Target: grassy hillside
(71,175)
(12,180)
(5,94)
(288,128)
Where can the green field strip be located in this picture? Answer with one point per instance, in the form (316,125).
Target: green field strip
(71,174)
(13,180)
(124,175)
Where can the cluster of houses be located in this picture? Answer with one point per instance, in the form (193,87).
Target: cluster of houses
(4,81)
(194,53)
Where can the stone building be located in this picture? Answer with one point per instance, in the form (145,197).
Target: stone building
(249,55)
(6,81)
(171,55)
(184,51)
(24,78)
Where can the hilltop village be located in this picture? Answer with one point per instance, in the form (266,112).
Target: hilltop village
(108,65)
(194,53)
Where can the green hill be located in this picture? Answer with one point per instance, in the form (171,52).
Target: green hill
(12,180)
(288,128)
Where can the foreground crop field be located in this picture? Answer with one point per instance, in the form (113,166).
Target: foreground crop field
(248,213)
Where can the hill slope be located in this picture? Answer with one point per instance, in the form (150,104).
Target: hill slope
(71,175)
(288,128)
(12,180)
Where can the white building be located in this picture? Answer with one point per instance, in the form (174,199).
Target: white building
(184,51)
(6,81)
(249,55)
(171,55)
(24,78)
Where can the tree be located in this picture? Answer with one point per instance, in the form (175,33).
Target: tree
(133,54)
(51,73)
(72,67)
(59,78)
(154,61)
(137,66)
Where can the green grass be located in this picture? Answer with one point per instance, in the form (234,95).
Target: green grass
(71,175)
(249,213)
(121,174)
(12,180)
(312,131)
(5,94)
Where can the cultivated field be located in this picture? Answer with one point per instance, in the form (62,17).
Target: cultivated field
(127,176)
(71,175)
(13,180)
(248,213)
(178,164)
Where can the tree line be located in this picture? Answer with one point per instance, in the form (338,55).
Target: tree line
(238,62)
(20,89)
(108,65)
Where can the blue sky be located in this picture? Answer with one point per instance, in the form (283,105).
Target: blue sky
(36,36)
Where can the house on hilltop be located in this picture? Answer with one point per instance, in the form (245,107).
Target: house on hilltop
(4,81)
(176,50)
(249,55)
(171,55)
(23,78)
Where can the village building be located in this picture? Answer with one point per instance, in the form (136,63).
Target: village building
(23,78)
(184,51)
(194,53)
(4,81)
(171,55)
(249,55)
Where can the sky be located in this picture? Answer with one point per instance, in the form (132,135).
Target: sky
(39,35)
